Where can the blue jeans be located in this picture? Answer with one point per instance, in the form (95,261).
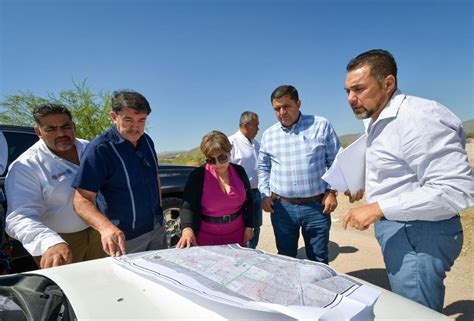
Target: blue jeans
(257,218)
(287,219)
(418,254)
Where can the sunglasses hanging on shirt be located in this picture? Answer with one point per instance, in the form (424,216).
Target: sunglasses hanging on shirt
(143,159)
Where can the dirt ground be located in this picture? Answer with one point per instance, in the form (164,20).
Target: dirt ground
(358,254)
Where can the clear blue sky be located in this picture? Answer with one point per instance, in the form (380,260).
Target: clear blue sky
(202,63)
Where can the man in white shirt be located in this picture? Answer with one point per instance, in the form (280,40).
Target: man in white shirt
(418,179)
(244,152)
(38,187)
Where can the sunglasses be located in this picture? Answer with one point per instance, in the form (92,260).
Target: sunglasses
(222,159)
(143,159)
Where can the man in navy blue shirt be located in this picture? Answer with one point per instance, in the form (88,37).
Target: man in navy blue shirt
(117,186)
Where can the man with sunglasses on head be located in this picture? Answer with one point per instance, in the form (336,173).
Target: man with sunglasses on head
(117,186)
(38,186)
(294,154)
(244,152)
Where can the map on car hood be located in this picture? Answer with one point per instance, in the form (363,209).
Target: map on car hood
(253,279)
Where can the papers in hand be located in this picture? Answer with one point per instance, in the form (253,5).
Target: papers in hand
(348,169)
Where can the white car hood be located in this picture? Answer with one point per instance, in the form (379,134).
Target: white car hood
(102,290)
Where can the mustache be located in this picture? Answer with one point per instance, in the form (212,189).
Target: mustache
(62,138)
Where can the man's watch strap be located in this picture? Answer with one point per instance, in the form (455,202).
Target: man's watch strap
(332,191)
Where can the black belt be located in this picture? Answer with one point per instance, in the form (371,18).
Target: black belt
(299,200)
(226,219)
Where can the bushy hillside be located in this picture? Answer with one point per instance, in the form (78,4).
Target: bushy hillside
(348,139)
(469,128)
(192,157)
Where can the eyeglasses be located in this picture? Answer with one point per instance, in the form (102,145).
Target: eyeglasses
(222,159)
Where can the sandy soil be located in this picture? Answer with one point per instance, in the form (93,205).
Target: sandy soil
(358,254)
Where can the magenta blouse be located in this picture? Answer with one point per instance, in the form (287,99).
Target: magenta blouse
(215,202)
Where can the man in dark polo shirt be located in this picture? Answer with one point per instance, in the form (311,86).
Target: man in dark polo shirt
(117,186)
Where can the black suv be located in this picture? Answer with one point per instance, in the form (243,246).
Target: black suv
(173,178)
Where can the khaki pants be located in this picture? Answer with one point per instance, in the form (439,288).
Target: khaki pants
(85,245)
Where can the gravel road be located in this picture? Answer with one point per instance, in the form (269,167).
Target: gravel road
(358,254)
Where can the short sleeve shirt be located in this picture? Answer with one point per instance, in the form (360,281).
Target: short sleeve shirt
(125,179)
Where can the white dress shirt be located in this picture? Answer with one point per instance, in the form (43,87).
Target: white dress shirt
(245,153)
(39,193)
(416,162)
(3,153)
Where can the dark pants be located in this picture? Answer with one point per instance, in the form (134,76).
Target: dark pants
(287,219)
(257,218)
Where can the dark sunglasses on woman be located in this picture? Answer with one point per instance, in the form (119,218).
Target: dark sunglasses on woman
(222,159)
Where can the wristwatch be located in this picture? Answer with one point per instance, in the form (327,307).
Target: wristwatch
(332,191)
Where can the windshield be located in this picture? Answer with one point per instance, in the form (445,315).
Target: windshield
(18,143)
(33,298)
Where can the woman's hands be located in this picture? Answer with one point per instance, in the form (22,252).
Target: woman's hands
(187,239)
(248,234)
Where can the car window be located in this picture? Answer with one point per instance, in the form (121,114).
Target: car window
(18,143)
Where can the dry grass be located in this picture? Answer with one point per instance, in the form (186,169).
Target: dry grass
(467,218)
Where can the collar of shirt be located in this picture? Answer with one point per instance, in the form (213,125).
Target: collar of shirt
(117,138)
(80,146)
(243,138)
(389,111)
(293,127)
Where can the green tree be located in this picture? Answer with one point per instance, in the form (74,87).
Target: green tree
(90,110)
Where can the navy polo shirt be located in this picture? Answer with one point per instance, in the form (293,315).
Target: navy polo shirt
(125,179)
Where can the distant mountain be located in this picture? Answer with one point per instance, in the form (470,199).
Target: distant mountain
(469,126)
(177,153)
(194,156)
(170,154)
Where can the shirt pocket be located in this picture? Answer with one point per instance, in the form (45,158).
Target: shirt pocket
(59,182)
(314,147)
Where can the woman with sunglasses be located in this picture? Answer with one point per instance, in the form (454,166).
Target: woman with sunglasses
(217,202)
